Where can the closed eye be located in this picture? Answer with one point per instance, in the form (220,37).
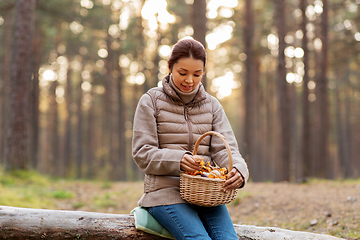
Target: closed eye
(183,74)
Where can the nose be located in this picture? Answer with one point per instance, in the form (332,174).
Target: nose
(189,79)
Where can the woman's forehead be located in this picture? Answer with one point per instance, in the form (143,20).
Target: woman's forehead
(190,64)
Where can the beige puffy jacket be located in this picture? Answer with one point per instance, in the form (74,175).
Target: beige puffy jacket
(165,128)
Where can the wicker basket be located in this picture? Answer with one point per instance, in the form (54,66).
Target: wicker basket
(203,191)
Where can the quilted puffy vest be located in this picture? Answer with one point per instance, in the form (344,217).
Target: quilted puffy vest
(180,125)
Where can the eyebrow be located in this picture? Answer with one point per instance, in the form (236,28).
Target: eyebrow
(187,70)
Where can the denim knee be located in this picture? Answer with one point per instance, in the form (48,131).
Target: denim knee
(187,221)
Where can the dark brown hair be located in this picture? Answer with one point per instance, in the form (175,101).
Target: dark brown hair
(187,48)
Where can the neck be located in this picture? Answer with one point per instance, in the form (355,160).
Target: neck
(185,97)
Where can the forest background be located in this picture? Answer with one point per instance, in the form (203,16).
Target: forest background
(286,73)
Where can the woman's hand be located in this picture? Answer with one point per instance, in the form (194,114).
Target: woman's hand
(190,163)
(234,180)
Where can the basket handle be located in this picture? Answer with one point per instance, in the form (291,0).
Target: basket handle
(224,141)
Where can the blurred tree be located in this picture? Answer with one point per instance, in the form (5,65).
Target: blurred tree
(342,153)
(345,122)
(34,112)
(67,119)
(249,92)
(198,22)
(5,83)
(109,95)
(17,155)
(322,155)
(79,129)
(122,173)
(283,93)
(306,128)
(51,166)
(90,140)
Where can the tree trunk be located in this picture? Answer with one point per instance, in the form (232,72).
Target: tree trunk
(34,101)
(79,132)
(53,130)
(347,133)
(306,128)
(198,22)
(90,140)
(109,107)
(67,120)
(257,134)
(22,223)
(249,125)
(17,155)
(356,143)
(339,126)
(271,117)
(322,151)
(5,86)
(294,165)
(284,99)
(121,127)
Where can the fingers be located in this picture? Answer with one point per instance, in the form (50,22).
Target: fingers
(189,164)
(234,180)
(197,158)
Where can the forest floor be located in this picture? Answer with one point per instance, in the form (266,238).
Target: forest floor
(327,207)
(319,206)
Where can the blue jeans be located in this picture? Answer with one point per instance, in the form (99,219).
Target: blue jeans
(187,221)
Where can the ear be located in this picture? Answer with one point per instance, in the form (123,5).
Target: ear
(169,67)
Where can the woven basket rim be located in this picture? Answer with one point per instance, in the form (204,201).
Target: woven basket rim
(197,177)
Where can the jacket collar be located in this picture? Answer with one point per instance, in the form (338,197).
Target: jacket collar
(169,90)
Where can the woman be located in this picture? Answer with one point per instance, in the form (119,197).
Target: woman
(167,123)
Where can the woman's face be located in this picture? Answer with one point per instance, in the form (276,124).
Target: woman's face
(187,73)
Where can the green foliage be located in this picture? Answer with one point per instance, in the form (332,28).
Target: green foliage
(29,189)
(106,185)
(78,205)
(105,201)
(241,195)
(33,190)
(61,194)
(23,177)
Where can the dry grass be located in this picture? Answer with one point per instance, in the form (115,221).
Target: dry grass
(329,207)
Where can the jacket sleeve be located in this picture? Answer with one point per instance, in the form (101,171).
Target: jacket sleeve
(218,151)
(145,148)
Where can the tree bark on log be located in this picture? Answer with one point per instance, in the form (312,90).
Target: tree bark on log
(25,223)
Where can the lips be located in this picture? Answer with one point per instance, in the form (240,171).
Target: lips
(187,87)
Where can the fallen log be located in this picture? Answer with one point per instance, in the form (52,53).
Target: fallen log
(246,232)
(26,223)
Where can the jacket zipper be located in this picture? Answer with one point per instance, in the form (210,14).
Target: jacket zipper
(186,115)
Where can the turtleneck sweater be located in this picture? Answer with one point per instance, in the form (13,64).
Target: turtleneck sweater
(186,97)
